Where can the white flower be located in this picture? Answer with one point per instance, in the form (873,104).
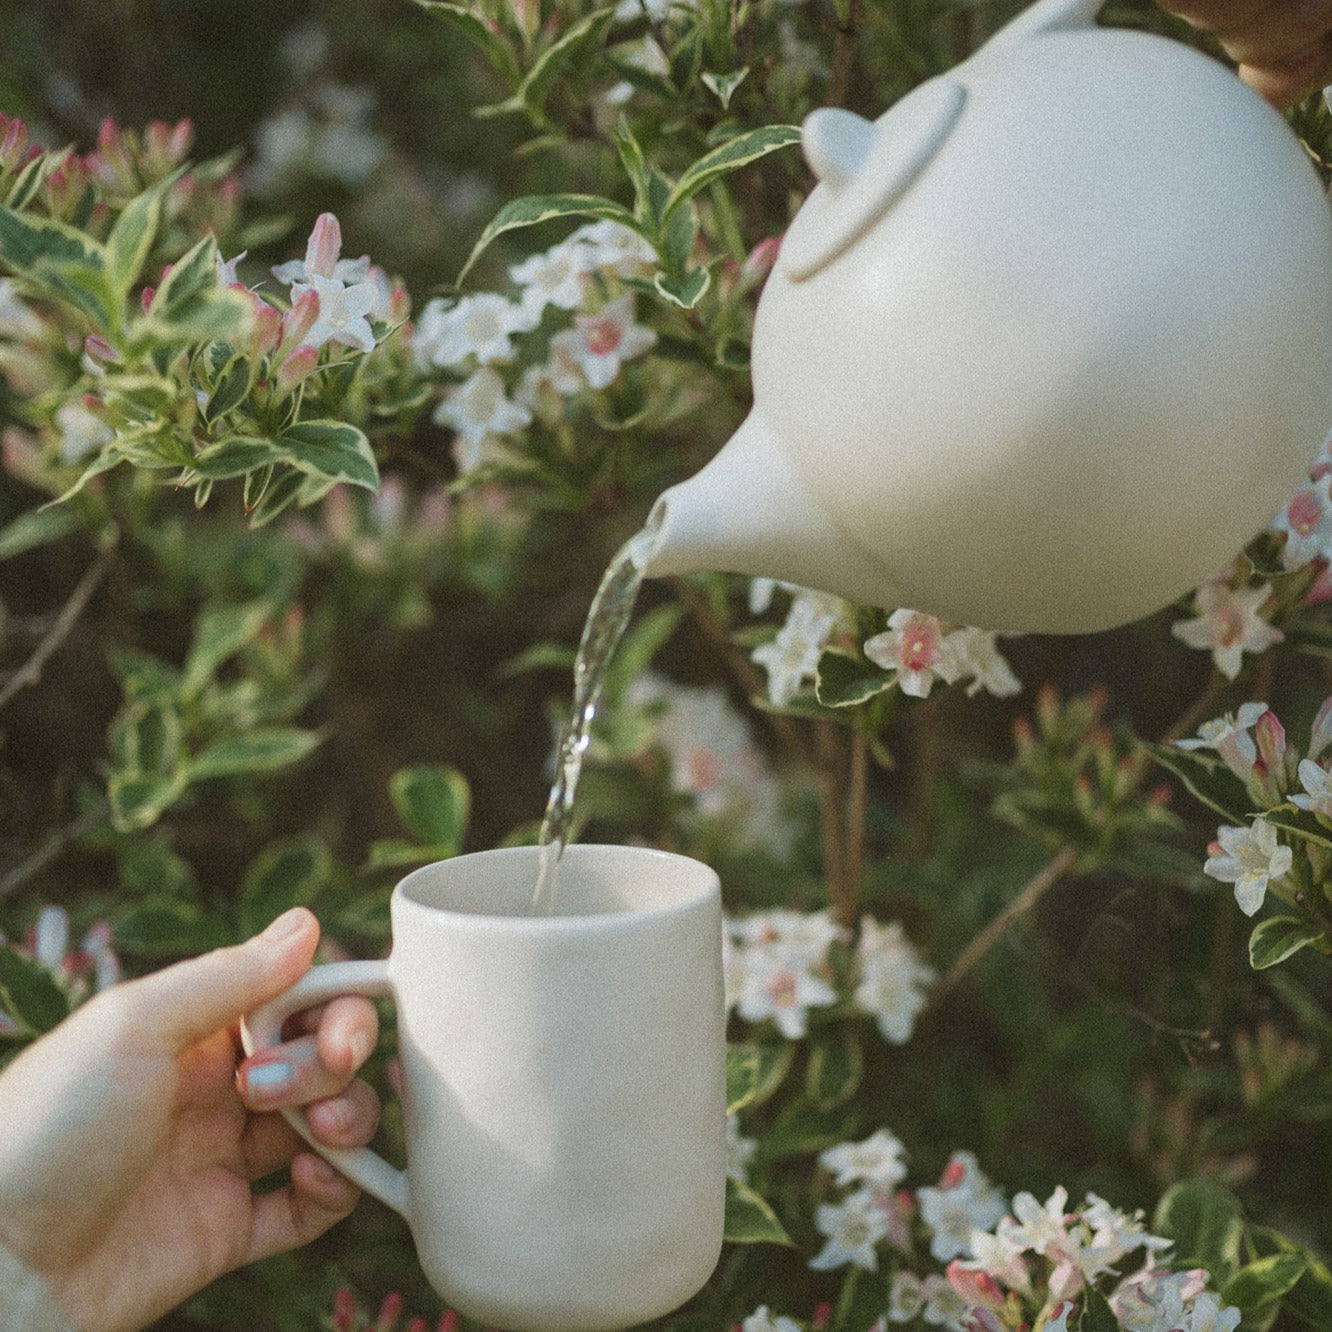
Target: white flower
(761,1320)
(81,433)
(558,277)
(1000,1255)
(17,320)
(783,989)
(607,339)
(793,935)
(906,1296)
(1250,858)
(853,1228)
(560,373)
(892,978)
(965,1200)
(343,312)
(793,656)
(1229,736)
(617,249)
(1306,521)
(1042,1229)
(478,410)
(1228,624)
(876,1161)
(1170,1302)
(977,655)
(1210,1315)
(1317,783)
(739,1150)
(915,647)
(482,325)
(944,1307)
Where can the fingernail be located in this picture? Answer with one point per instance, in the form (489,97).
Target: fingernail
(270,1078)
(287,924)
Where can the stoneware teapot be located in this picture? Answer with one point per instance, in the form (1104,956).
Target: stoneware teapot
(1046,345)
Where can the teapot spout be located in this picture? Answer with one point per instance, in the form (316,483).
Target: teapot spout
(749,512)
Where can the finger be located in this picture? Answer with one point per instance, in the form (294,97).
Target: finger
(1287,36)
(288,1075)
(317,1198)
(190,1000)
(269,1143)
(347,1034)
(1284,85)
(345,1121)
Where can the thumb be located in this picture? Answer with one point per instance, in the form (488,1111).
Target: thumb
(186,1002)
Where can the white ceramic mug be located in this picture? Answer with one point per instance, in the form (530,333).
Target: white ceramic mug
(564,1083)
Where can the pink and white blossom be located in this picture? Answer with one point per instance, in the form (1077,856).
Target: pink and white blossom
(1229,737)
(1317,783)
(1306,521)
(1228,624)
(481,326)
(607,339)
(793,656)
(763,1320)
(964,1201)
(558,277)
(976,653)
(893,979)
(852,1228)
(782,989)
(877,1161)
(915,647)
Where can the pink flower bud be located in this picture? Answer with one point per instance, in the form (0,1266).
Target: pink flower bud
(297,368)
(974,1286)
(1321,734)
(321,254)
(759,261)
(12,143)
(400,303)
(389,1312)
(300,318)
(146,298)
(821,1319)
(182,136)
(100,350)
(448,1321)
(266,331)
(1270,736)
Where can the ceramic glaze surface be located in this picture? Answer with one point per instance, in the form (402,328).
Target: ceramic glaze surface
(565,1083)
(1047,345)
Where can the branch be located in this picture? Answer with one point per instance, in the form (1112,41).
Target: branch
(30,673)
(51,849)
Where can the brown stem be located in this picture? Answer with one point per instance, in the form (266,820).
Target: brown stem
(844,52)
(50,850)
(855,817)
(1035,889)
(30,673)
(833,809)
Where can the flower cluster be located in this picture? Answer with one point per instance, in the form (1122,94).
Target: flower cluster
(919,649)
(779,967)
(348,1316)
(1251,743)
(993,1266)
(575,284)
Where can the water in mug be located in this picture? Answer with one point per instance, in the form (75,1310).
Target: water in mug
(606,622)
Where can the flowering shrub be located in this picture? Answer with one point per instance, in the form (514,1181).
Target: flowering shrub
(312,456)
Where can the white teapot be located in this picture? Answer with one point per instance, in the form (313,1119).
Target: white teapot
(1047,344)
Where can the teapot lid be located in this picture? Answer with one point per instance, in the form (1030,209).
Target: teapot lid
(864,167)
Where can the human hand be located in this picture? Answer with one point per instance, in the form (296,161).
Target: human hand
(1283,47)
(128,1152)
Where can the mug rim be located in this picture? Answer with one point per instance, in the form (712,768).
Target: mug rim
(707,889)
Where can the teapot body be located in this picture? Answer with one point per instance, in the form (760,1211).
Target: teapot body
(1081,357)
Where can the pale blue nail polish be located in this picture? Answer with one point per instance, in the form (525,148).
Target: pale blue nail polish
(270,1077)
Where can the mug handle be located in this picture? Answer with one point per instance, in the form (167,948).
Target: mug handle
(262,1029)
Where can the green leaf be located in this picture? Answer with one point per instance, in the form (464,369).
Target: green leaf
(168,927)
(1278,937)
(638,648)
(536,84)
(284,874)
(1301,822)
(29,180)
(144,736)
(138,799)
(332,449)
(237,455)
(1264,1281)
(1207,778)
(775,1062)
(688,290)
(730,156)
(37,527)
(189,306)
(1205,1224)
(1097,1315)
(722,86)
(743,1066)
(1310,1299)
(534,208)
(131,238)
(230,388)
(263,749)
(395,853)
(472,26)
(632,159)
(540,657)
(435,802)
(844,680)
(63,261)
(220,633)
(803,1128)
(836,1067)
(275,497)
(749,1220)
(29,993)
